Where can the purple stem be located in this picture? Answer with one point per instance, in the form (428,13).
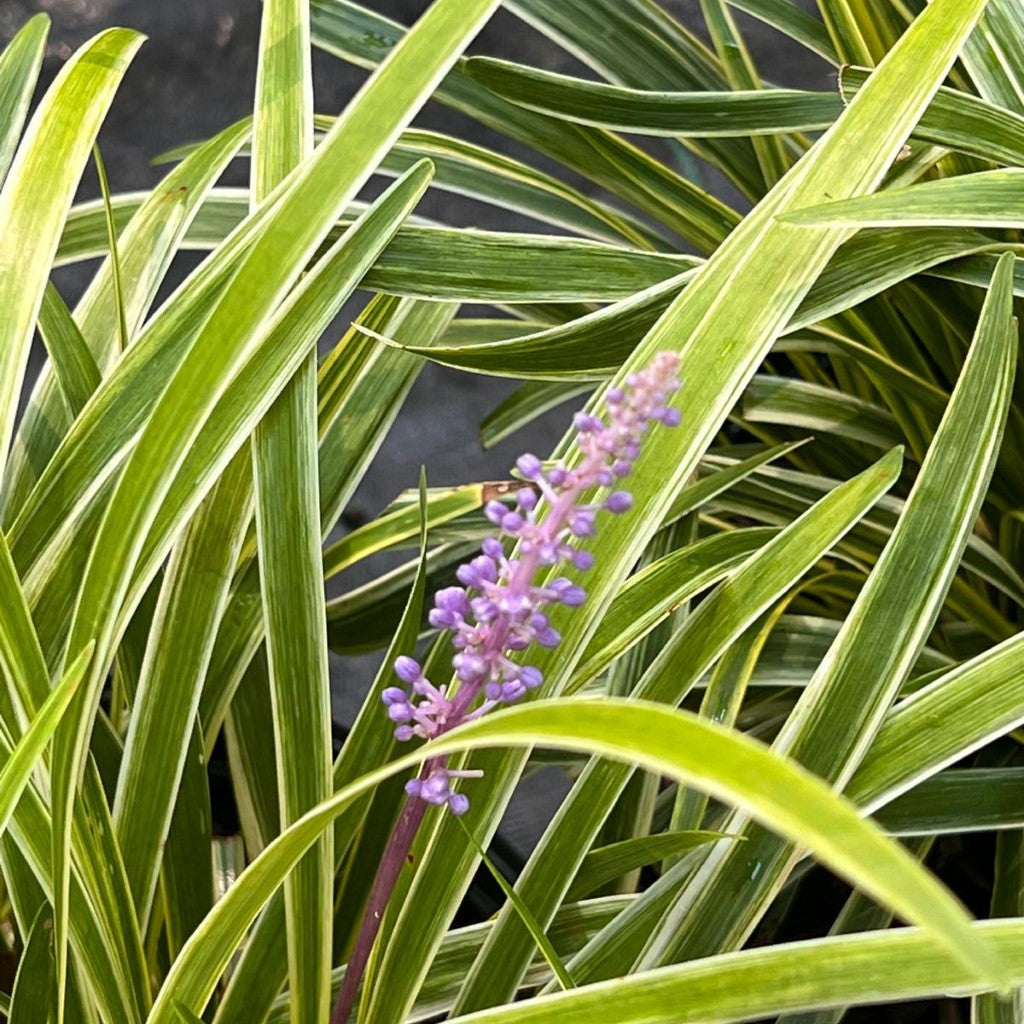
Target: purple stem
(395,853)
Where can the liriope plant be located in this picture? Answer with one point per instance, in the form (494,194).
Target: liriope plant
(801,638)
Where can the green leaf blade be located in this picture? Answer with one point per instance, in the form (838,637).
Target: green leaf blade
(54,150)
(725,764)
(19,68)
(287,502)
(842,709)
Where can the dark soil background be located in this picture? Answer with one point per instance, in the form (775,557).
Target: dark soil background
(194,76)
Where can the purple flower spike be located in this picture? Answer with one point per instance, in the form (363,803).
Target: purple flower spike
(500,612)
(500,608)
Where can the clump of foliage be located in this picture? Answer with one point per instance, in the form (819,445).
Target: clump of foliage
(802,645)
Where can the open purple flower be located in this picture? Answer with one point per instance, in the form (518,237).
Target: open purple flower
(499,611)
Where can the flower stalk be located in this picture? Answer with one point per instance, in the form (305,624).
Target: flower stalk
(499,612)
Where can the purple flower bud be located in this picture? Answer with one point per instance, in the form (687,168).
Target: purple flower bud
(441,619)
(529,465)
(407,669)
(512,522)
(492,690)
(526,499)
(530,677)
(605,477)
(619,502)
(469,667)
(567,592)
(548,637)
(512,690)
(400,712)
(492,548)
(394,695)
(495,511)
(615,396)
(548,553)
(458,804)
(622,467)
(404,733)
(413,787)
(581,523)
(557,475)
(452,599)
(484,609)
(434,789)
(477,572)
(587,424)
(671,417)
(582,560)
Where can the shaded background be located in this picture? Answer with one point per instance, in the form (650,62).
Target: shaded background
(196,75)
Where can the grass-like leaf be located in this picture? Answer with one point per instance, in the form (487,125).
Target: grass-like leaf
(19,68)
(25,757)
(606,863)
(38,191)
(287,502)
(839,713)
(728,765)
(697,114)
(986,199)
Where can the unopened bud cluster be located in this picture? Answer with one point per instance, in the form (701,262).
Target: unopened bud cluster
(499,611)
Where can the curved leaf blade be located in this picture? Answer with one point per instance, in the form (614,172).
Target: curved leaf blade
(686,114)
(841,710)
(725,764)
(19,68)
(37,194)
